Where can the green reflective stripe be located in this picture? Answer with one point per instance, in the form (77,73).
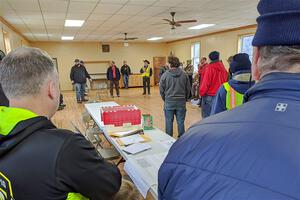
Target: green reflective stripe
(233,98)
(76,196)
(10,117)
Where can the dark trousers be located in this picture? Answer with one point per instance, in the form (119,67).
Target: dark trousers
(177,109)
(116,83)
(146,84)
(206,105)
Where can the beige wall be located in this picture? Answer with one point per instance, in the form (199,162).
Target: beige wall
(15,39)
(66,52)
(226,43)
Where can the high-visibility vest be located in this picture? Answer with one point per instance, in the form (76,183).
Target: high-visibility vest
(233,98)
(146,72)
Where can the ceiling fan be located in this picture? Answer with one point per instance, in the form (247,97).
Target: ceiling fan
(126,38)
(175,24)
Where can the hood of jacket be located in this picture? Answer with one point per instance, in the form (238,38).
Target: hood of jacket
(175,72)
(16,124)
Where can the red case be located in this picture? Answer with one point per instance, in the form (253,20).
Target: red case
(118,115)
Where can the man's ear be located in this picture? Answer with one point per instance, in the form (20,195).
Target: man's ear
(52,90)
(255,62)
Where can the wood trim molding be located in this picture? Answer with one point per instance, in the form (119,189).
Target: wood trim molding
(13,29)
(215,33)
(95,62)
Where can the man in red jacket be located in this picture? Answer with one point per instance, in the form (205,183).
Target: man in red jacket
(212,77)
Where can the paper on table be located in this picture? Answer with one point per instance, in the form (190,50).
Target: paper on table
(125,133)
(136,148)
(141,185)
(132,139)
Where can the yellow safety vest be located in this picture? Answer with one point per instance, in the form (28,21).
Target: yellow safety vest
(147,72)
(233,98)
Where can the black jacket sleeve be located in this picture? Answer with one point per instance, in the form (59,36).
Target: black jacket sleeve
(84,171)
(151,72)
(72,73)
(87,74)
(129,70)
(123,70)
(142,70)
(107,73)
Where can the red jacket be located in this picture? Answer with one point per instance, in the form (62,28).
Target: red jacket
(212,77)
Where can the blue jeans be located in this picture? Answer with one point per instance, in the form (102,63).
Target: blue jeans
(171,109)
(206,105)
(125,80)
(80,90)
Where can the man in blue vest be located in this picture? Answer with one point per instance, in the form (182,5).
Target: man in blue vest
(253,151)
(231,93)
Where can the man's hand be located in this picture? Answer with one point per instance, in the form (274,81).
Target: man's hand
(91,80)
(72,82)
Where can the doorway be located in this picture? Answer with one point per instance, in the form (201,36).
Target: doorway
(157,63)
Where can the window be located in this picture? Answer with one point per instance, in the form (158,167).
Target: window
(195,55)
(6,42)
(245,45)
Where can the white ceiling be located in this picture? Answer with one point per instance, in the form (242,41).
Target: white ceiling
(106,20)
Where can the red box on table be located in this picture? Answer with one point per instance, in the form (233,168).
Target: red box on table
(119,115)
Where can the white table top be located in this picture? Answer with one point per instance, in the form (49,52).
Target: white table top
(157,143)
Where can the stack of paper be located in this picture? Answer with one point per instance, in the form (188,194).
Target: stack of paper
(126,133)
(136,148)
(125,141)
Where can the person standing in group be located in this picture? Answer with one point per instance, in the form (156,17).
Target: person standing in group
(113,75)
(146,72)
(126,72)
(231,94)
(212,77)
(175,89)
(201,66)
(78,77)
(189,69)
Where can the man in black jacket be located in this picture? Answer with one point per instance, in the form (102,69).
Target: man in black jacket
(78,77)
(113,75)
(126,71)
(37,160)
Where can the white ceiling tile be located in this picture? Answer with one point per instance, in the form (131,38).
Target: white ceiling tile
(85,7)
(29,14)
(131,10)
(77,16)
(168,3)
(24,5)
(107,8)
(54,22)
(114,1)
(54,6)
(99,16)
(141,2)
(54,15)
(152,11)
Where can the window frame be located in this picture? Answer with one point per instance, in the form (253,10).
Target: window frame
(240,44)
(193,57)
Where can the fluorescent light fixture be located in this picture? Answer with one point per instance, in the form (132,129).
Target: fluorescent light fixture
(67,37)
(74,23)
(201,26)
(155,38)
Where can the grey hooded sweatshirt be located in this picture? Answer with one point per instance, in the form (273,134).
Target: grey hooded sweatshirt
(174,86)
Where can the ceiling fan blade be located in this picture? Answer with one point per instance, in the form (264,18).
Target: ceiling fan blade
(134,38)
(159,23)
(119,39)
(177,24)
(167,20)
(186,21)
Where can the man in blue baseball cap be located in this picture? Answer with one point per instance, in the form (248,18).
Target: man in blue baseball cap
(231,93)
(251,152)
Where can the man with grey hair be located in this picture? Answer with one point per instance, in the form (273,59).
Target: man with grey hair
(251,152)
(37,160)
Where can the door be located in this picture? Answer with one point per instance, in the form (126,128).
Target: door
(157,63)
